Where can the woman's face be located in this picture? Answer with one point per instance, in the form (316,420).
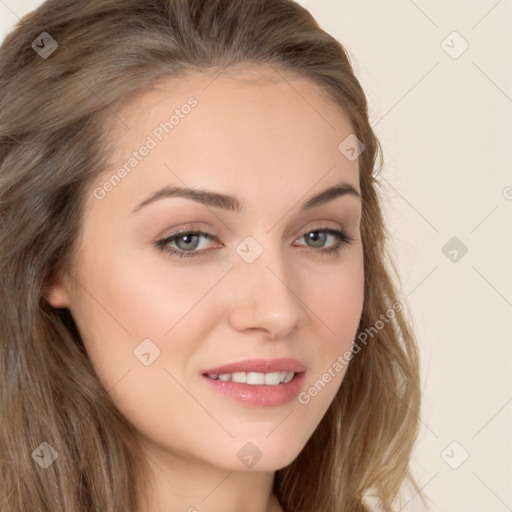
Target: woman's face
(262,285)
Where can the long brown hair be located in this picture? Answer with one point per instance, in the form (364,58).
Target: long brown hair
(53,112)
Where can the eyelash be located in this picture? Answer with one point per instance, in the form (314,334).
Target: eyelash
(344,239)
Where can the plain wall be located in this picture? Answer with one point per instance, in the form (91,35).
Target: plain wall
(445,124)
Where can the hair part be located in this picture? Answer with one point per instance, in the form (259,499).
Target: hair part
(54,115)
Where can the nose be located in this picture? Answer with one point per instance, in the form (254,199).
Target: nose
(266,296)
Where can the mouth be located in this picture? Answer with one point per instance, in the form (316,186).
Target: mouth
(258,382)
(255,378)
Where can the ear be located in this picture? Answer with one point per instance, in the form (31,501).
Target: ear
(55,292)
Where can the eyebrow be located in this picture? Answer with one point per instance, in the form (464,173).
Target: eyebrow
(231,203)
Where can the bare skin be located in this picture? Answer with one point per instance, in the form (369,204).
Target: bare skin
(272,143)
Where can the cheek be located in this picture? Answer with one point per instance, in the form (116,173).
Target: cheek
(142,299)
(134,307)
(339,302)
(141,331)
(336,298)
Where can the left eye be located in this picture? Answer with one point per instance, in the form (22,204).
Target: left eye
(190,241)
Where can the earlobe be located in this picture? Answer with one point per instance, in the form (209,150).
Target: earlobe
(56,294)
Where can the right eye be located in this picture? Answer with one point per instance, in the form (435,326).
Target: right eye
(188,248)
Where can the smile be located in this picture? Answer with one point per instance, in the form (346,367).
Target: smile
(255,378)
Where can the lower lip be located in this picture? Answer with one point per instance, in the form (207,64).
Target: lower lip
(259,395)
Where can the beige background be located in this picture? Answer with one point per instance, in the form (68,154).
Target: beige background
(445,123)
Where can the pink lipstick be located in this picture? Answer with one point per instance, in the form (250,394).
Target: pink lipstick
(258,382)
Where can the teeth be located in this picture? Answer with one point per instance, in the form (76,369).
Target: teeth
(255,378)
(288,377)
(239,377)
(258,378)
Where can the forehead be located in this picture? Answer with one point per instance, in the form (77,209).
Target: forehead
(249,126)
(232,99)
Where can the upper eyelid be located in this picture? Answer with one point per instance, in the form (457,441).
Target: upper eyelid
(192,228)
(203,232)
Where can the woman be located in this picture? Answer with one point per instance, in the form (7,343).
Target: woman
(196,311)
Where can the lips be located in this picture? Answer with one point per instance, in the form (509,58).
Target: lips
(285,364)
(257,394)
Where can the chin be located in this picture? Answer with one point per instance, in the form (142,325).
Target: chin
(264,454)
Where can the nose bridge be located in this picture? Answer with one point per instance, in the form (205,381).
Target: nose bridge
(265,295)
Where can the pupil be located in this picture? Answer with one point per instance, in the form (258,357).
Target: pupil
(314,236)
(188,237)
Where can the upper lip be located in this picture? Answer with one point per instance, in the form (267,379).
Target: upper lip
(284,364)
